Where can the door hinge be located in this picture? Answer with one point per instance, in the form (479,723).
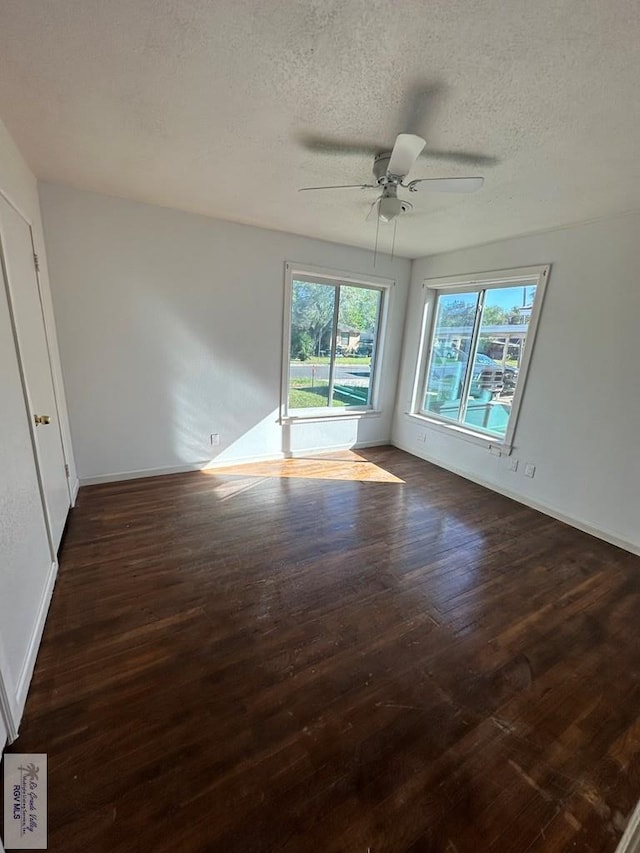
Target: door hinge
(36,262)
(66,469)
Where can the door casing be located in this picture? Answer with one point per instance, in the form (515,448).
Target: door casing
(27,381)
(9,710)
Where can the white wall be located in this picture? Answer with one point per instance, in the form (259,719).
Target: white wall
(580,416)
(171,329)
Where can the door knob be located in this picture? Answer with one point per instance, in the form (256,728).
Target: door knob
(42,419)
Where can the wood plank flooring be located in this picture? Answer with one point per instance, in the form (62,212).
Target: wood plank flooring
(355,653)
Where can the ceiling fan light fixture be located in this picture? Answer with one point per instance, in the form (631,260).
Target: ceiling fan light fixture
(389,207)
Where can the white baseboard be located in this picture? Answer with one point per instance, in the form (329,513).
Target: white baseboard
(24,680)
(8,705)
(221,463)
(117,476)
(243,460)
(334,448)
(362,445)
(175,469)
(605,535)
(630,841)
(75,485)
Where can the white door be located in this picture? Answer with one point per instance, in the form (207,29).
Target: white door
(8,705)
(26,552)
(33,351)
(4,734)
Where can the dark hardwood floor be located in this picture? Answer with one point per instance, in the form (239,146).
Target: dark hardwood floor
(335,655)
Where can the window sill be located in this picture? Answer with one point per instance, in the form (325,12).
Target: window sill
(316,417)
(491,443)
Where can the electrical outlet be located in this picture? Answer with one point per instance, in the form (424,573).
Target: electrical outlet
(215,439)
(513,464)
(529,469)
(422,437)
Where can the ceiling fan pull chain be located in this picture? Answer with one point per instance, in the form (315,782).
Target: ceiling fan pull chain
(375,250)
(393,244)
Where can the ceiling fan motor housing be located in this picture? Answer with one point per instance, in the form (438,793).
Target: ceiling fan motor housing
(380,165)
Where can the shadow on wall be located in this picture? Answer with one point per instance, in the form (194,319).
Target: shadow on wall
(182,373)
(217,396)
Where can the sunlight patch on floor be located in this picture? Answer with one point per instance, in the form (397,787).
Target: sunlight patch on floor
(345,465)
(228,488)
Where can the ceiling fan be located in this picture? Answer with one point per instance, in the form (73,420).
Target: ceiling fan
(390,170)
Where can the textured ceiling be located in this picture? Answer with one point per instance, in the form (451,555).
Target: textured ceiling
(204,106)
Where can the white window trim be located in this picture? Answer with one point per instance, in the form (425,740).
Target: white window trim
(538,275)
(333,277)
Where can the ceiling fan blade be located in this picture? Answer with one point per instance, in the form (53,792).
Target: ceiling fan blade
(405,152)
(447,185)
(342,187)
(466,157)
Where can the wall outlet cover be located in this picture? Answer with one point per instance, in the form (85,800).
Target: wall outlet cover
(529,469)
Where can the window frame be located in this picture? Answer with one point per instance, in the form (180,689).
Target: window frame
(495,279)
(334,278)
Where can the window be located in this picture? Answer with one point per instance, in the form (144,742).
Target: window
(333,346)
(478,338)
